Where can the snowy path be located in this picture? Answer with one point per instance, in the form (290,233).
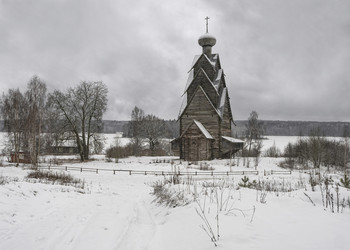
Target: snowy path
(140,230)
(44,217)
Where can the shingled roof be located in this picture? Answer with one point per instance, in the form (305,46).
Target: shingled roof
(217,82)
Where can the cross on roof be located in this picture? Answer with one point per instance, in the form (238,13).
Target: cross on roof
(206,20)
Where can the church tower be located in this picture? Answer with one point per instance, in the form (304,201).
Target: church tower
(205,116)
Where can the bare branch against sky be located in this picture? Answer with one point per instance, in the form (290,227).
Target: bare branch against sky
(288,60)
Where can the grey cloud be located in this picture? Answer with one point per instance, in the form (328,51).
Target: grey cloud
(285,59)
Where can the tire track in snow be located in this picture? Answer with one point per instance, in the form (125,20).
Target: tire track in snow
(140,230)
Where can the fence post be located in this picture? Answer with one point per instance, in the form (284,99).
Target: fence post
(96,170)
(81,170)
(113,171)
(196,173)
(243,172)
(227,173)
(211,173)
(129,172)
(66,168)
(145,172)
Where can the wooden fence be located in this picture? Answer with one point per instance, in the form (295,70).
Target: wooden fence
(158,172)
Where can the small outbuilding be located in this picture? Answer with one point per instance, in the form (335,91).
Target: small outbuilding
(20,157)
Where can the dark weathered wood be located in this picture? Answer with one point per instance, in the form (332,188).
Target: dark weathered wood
(204,94)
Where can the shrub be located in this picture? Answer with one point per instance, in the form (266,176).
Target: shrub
(118,152)
(246,183)
(345,181)
(288,163)
(168,196)
(59,178)
(273,151)
(6,179)
(205,166)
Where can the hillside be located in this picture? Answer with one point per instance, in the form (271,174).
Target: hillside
(296,128)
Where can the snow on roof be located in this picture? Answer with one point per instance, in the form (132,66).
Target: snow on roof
(203,130)
(183,104)
(189,79)
(231,139)
(212,61)
(201,70)
(195,59)
(218,78)
(221,106)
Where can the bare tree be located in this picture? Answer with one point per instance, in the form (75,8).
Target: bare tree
(36,100)
(254,129)
(80,112)
(257,152)
(146,129)
(316,144)
(153,129)
(137,115)
(346,146)
(13,107)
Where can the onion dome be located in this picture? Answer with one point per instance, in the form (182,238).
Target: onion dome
(207,40)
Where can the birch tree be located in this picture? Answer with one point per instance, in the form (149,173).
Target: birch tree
(36,100)
(254,129)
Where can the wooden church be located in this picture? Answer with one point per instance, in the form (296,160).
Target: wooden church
(205,115)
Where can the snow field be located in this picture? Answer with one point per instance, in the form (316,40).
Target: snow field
(117,212)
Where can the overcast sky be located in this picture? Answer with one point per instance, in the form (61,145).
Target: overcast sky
(288,60)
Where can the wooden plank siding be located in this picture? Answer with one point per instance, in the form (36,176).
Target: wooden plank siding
(195,146)
(226,121)
(201,110)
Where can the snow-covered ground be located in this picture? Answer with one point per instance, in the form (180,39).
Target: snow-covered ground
(118,212)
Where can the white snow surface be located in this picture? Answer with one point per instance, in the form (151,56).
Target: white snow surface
(231,139)
(118,211)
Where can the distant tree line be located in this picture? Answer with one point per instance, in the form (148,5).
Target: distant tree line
(293,128)
(75,114)
(272,128)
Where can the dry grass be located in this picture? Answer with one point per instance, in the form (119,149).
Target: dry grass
(59,178)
